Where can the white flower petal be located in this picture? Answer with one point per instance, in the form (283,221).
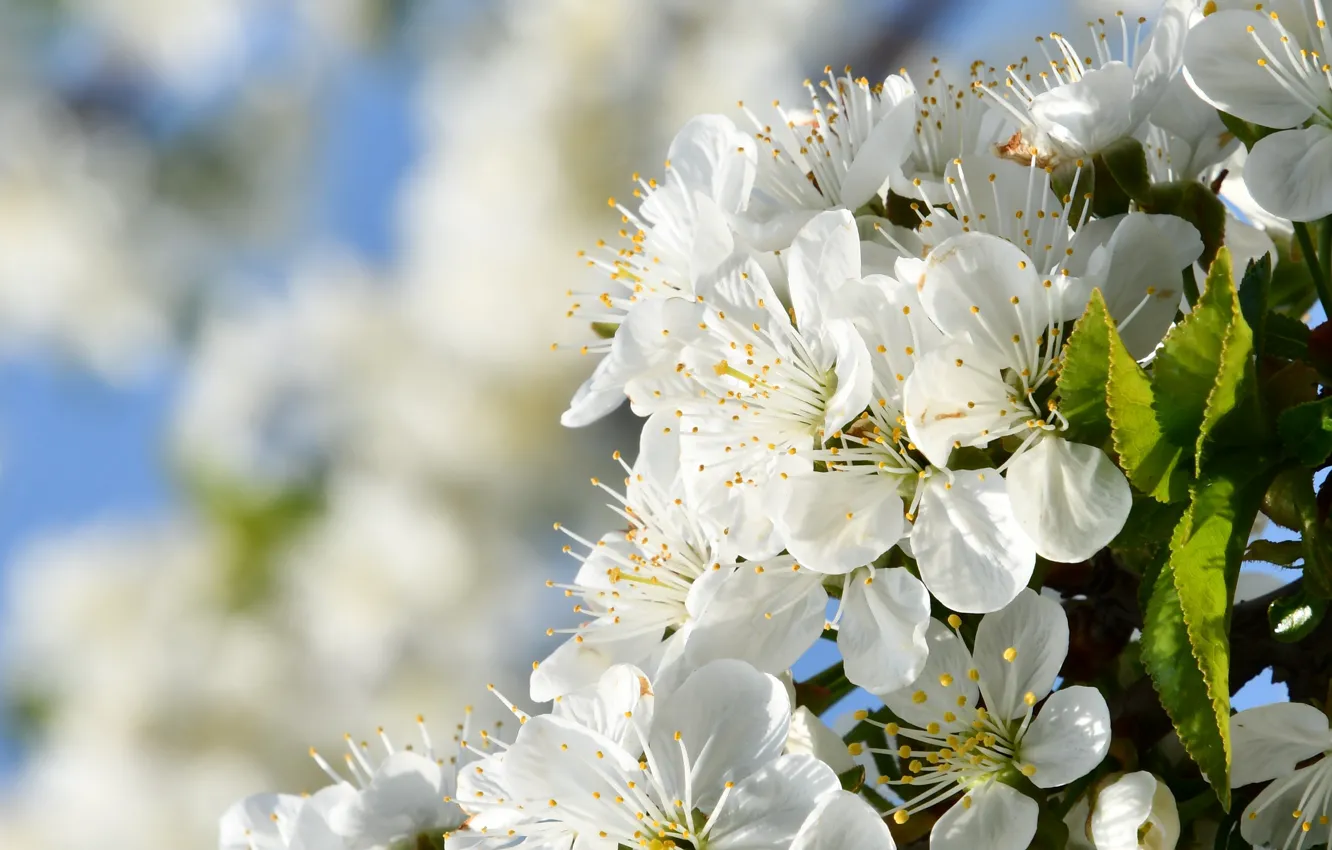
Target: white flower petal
(887,148)
(945,685)
(973,556)
(741,288)
(554,759)
(1078,821)
(1147,252)
(844,822)
(1221,63)
(1269,822)
(249,822)
(577,664)
(403,797)
(1247,242)
(310,830)
(1019,650)
(854,371)
(658,458)
(711,240)
(712,156)
(732,720)
(954,397)
(598,396)
(1290,173)
(993,816)
(824,255)
(768,618)
(770,226)
(1161,57)
(1182,113)
(969,287)
(811,736)
(1088,114)
(888,314)
(881,636)
(1268,741)
(767,808)
(834,522)
(1068,738)
(1069,498)
(1129,803)
(602,707)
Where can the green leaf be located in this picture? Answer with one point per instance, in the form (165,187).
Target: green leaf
(1086,374)
(1293,290)
(1317,558)
(1190,608)
(1254,293)
(1286,336)
(1149,523)
(1153,463)
(1294,617)
(853,779)
(1279,553)
(1127,163)
(1306,431)
(1185,369)
(1290,384)
(1243,130)
(1232,416)
(1108,197)
(1180,685)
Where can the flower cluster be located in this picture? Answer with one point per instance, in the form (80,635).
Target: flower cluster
(848,327)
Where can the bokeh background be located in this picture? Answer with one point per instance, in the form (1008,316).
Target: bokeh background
(279,279)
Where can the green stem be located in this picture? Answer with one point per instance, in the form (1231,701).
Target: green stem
(1190,287)
(1315,269)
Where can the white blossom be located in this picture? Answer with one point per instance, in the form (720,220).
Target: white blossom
(663,593)
(954,747)
(1130,811)
(1003,321)
(839,154)
(1269,67)
(771,385)
(679,234)
(1085,103)
(702,764)
(1288,744)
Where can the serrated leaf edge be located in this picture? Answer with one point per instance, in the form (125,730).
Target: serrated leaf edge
(1220,707)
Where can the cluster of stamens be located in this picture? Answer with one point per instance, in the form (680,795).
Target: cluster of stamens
(952,755)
